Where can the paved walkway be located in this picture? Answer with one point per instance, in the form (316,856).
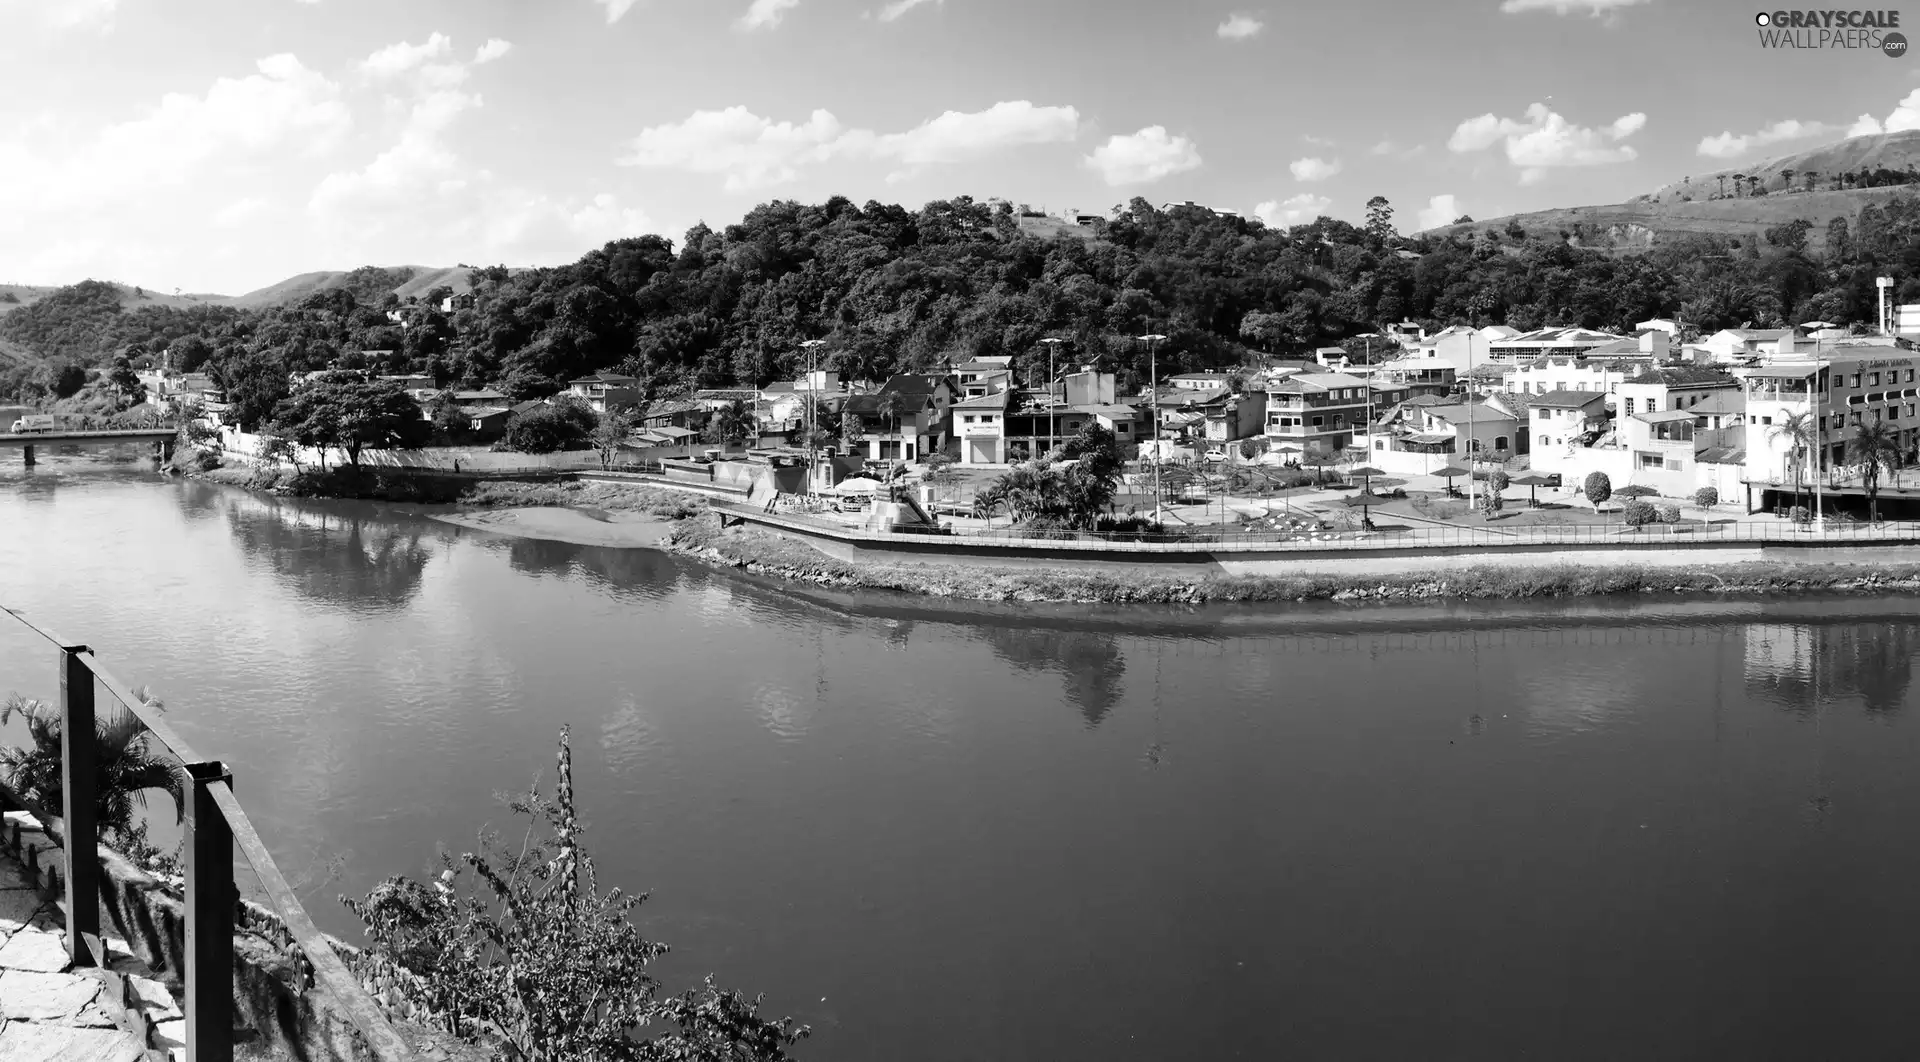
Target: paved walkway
(51,1014)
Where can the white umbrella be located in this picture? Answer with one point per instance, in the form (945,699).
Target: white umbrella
(858,486)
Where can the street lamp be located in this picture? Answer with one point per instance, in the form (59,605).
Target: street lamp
(1053,347)
(810,346)
(1153,404)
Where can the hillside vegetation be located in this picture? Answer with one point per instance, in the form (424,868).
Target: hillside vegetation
(893,290)
(1741,202)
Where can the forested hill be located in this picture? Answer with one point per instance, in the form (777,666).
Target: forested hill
(891,289)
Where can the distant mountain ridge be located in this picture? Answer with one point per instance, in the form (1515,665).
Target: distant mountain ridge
(417,281)
(1707,205)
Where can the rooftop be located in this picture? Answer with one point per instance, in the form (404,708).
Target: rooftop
(1686,376)
(1666,416)
(1568,399)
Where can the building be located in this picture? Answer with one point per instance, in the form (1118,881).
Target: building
(1035,426)
(1199,381)
(1316,413)
(1546,375)
(906,420)
(1548,342)
(1232,417)
(1720,410)
(1738,344)
(606,392)
(982,376)
(1672,387)
(1667,325)
(980,425)
(1563,418)
(1424,433)
(1849,385)
(463,301)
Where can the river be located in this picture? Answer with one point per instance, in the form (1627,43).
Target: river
(946,832)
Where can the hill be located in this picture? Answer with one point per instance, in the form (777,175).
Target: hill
(16,296)
(365,282)
(1769,193)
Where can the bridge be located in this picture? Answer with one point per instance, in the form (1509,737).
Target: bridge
(161,438)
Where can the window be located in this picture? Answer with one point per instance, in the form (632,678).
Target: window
(987,418)
(1121,427)
(1629,405)
(1499,442)
(1856,380)
(1379,444)
(1839,420)
(968,418)
(1766,420)
(1909,375)
(1319,421)
(1543,414)
(1673,464)
(1652,461)
(1339,421)
(1873,379)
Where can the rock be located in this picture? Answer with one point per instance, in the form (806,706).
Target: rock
(35,951)
(24,1042)
(155,998)
(17,908)
(44,996)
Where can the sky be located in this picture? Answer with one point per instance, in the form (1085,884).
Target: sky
(222,145)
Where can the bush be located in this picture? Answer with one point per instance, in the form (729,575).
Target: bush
(1499,480)
(1669,512)
(1491,503)
(1638,513)
(1132,528)
(1706,497)
(1598,488)
(1800,514)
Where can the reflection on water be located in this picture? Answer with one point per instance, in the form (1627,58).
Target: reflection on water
(1090,661)
(346,560)
(1799,665)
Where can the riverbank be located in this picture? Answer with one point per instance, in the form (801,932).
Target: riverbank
(582,527)
(765,553)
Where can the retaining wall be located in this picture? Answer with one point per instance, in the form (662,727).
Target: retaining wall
(1253,559)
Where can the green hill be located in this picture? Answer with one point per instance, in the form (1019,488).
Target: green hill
(1715,204)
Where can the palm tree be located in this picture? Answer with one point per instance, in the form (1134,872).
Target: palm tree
(1873,447)
(1722,179)
(1798,431)
(889,408)
(1738,180)
(1811,176)
(126,765)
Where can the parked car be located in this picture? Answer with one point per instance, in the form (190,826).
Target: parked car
(1215,453)
(33,425)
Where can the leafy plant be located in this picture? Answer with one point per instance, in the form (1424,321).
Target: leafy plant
(127,764)
(1669,512)
(1639,513)
(517,948)
(1598,488)
(1706,497)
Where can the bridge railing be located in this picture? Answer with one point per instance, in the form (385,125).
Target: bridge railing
(214,824)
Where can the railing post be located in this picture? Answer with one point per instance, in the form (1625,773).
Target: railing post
(210,910)
(79,775)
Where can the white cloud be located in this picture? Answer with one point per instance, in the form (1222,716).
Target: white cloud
(616,9)
(901,7)
(1239,26)
(1440,210)
(1906,115)
(1144,157)
(240,212)
(1313,169)
(130,198)
(397,59)
(1545,140)
(752,152)
(1295,210)
(495,48)
(1597,8)
(764,14)
(62,14)
(1317,141)
(1729,145)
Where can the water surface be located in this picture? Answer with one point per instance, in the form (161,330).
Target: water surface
(980,832)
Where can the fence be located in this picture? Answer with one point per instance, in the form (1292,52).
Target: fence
(214,824)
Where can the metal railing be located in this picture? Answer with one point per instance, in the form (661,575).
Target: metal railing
(214,824)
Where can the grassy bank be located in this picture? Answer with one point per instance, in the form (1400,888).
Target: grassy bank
(770,554)
(378,484)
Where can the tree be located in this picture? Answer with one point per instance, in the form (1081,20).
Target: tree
(188,353)
(64,379)
(1639,513)
(566,424)
(1874,447)
(518,949)
(729,425)
(1379,219)
(446,416)
(255,385)
(1798,431)
(351,414)
(1464,219)
(121,375)
(1810,176)
(1598,488)
(126,764)
(610,434)
(1786,175)
(1706,498)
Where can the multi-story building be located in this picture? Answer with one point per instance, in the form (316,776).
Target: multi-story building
(1672,387)
(1548,342)
(1845,386)
(606,391)
(1316,413)
(1547,375)
(906,420)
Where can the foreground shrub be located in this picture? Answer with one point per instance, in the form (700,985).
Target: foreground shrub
(1800,514)
(1669,512)
(527,956)
(1638,513)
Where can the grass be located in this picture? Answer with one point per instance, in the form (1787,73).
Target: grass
(771,554)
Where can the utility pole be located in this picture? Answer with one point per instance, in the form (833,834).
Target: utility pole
(1153,389)
(1053,347)
(813,448)
(1471,438)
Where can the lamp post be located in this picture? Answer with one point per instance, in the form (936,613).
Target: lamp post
(1053,347)
(1153,389)
(813,450)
